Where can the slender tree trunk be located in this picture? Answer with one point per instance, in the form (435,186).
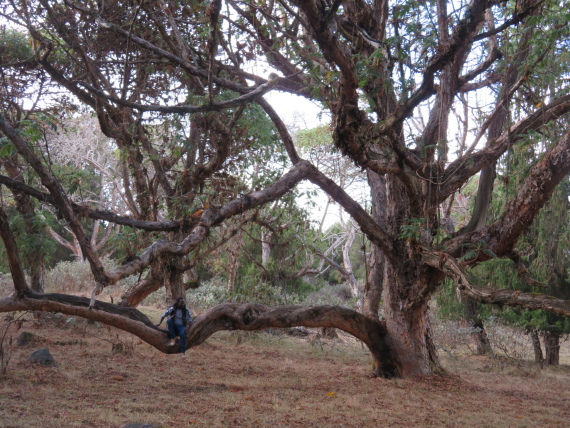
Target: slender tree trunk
(36,258)
(538,356)
(329,333)
(347,264)
(37,274)
(552,348)
(265,247)
(234,265)
(478,333)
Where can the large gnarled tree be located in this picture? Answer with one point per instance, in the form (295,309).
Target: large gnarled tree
(376,66)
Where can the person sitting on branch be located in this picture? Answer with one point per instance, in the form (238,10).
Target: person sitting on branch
(179,318)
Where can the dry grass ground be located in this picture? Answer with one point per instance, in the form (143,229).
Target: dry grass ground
(260,380)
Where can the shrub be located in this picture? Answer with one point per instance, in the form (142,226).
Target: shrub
(337,295)
(76,277)
(213,293)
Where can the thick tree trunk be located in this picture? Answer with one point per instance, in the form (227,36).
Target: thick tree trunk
(374,283)
(375,278)
(552,348)
(410,340)
(173,282)
(408,326)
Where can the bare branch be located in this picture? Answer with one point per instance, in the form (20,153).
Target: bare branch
(366,223)
(251,317)
(467,165)
(250,96)
(463,34)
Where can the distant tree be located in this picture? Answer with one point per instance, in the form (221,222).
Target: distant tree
(179,88)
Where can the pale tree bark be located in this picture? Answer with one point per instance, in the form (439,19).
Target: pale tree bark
(350,230)
(72,246)
(234,265)
(266,236)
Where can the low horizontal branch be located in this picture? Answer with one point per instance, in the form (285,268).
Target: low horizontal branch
(502,297)
(228,316)
(127,319)
(253,317)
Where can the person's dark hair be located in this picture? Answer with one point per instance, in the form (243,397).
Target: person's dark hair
(177,303)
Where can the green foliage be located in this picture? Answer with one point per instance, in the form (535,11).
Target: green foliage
(212,293)
(14,46)
(314,139)
(413,230)
(473,251)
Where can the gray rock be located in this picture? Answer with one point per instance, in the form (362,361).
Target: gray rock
(24,338)
(42,356)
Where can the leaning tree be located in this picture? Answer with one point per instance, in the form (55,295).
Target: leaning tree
(420,95)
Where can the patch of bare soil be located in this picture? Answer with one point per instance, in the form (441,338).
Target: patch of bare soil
(105,378)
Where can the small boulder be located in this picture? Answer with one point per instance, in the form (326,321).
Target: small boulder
(24,338)
(42,356)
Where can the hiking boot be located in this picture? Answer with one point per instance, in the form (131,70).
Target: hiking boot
(171,342)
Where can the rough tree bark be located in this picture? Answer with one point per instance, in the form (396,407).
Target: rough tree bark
(552,348)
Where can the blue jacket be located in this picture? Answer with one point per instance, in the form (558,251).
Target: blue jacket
(178,316)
